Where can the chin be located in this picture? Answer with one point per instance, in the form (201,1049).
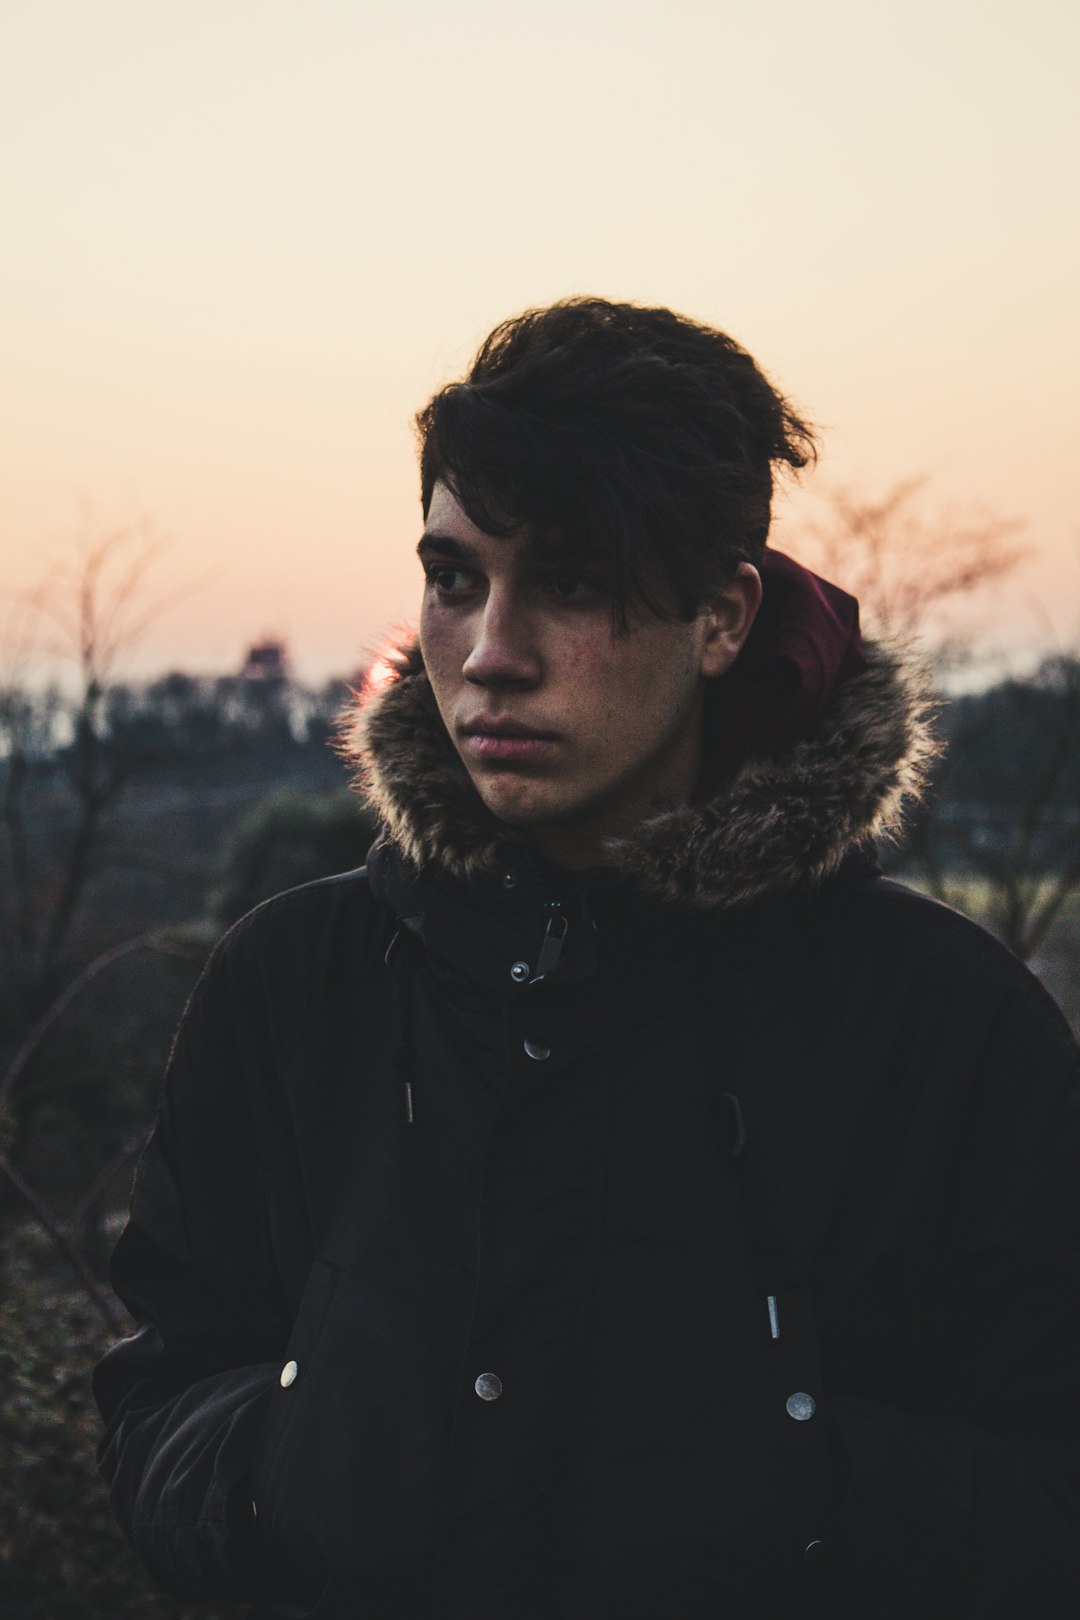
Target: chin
(518,803)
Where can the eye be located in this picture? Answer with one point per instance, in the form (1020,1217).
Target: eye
(448,580)
(570,586)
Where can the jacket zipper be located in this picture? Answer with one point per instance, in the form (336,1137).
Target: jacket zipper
(558,926)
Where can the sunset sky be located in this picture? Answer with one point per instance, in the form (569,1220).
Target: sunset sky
(245,239)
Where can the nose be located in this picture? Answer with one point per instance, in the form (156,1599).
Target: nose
(504,652)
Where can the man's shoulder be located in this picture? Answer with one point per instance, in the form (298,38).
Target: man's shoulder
(936,951)
(909,919)
(334,919)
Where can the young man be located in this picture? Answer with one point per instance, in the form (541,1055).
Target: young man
(617,1200)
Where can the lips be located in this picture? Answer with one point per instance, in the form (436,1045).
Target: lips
(505,727)
(507,741)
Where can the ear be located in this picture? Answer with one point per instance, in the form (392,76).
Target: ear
(727,619)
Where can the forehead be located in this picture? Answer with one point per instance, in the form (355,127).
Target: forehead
(446,515)
(447,520)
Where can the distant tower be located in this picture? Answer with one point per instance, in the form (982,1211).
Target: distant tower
(265,660)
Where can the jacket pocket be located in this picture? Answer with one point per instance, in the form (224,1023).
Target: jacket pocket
(299,1372)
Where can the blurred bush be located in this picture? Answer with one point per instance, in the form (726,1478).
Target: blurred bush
(62,1556)
(290,838)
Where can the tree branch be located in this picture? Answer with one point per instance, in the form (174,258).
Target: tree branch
(59,1006)
(51,1227)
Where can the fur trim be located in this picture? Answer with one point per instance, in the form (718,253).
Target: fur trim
(410,773)
(783,821)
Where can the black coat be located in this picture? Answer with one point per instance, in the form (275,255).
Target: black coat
(732,1264)
(581,1226)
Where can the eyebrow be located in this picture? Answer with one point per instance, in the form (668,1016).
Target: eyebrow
(433,542)
(548,554)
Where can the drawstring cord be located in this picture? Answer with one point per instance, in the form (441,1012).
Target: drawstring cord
(734,1138)
(401,960)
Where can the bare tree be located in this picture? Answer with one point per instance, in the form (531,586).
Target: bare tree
(1013,843)
(901,564)
(89,610)
(27,740)
(98,607)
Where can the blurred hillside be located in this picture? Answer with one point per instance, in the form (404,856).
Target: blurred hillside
(133,832)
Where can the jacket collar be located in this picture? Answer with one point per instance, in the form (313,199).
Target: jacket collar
(785,818)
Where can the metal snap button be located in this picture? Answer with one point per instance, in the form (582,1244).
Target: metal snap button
(537,1050)
(519,972)
(509,880)
(288,1374)
(801,1406)
(488,1386)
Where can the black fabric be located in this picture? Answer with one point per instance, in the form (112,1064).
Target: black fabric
(591,1227)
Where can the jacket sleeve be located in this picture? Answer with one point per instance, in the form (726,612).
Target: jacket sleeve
(971,1503)
(183,1398)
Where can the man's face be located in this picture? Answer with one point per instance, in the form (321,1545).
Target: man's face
(569,732)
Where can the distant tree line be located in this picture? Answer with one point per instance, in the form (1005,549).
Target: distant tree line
(1004,806)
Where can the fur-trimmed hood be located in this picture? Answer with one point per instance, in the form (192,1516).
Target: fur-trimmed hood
(785,819)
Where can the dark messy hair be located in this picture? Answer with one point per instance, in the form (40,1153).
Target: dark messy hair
(635,438)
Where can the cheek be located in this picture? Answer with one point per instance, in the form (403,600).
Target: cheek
(438,646)
(590,679)
(618,701)
(643,697)
(440,676)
